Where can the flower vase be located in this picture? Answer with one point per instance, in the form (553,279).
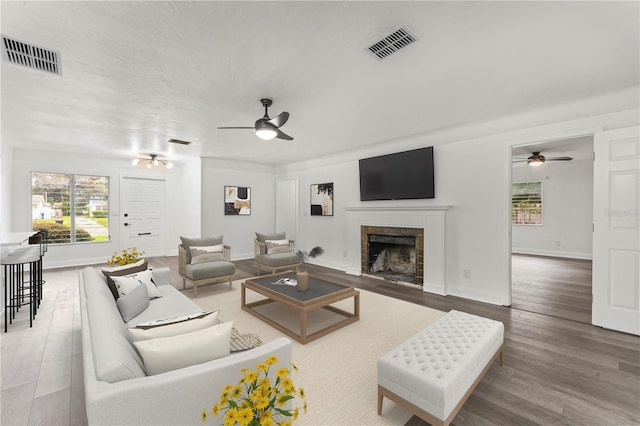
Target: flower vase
(303,281)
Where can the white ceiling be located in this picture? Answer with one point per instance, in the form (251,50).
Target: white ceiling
(138,73)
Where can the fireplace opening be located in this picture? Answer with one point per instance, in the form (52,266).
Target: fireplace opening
(393,253)
(393,257)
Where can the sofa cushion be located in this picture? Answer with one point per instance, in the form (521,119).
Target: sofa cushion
(171,304)
(114,357)
(264,237)
(180,326)
(277,246)
(200,254)
(201,271)
(118,271)
(128,283)
(280,259)
(207,241)
(170,353)
(132,303)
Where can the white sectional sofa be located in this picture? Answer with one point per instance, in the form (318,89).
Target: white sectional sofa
(117,389)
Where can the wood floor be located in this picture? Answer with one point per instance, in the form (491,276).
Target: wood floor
(555,371)
(558,287)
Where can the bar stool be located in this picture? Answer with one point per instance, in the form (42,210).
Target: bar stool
(38,239)
(15,288)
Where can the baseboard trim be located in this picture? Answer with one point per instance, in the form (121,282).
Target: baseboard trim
(553,253)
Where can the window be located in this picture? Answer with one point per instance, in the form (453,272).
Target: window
(526,203)
(71,208)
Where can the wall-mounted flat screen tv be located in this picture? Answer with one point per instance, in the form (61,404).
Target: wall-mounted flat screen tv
(400,176)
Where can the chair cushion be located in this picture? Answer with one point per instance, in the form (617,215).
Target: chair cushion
(201,271)
(263,237)
(207,241)
(200,254)
(280,259)
(278,246)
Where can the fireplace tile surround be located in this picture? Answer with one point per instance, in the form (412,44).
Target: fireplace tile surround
(418,233)
(431,219)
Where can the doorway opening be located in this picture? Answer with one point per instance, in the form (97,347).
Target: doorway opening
(551,231)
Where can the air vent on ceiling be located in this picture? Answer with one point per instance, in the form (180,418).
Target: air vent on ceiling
(392,43)
(178,141)
(30,56)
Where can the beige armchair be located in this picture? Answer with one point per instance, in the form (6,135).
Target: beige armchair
(200,272)
(285,258)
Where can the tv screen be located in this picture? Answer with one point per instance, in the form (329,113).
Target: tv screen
(400,176)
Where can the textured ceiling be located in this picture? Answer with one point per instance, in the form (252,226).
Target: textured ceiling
(138,73)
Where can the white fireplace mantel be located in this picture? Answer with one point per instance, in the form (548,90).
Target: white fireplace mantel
(396,208)
(431,218)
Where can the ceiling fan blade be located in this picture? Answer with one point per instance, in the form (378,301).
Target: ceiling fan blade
(520,160)
(236,127)
(559,158)
(282,135)
(280,119)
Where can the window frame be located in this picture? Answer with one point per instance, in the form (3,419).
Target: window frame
(541,183)
(73,230)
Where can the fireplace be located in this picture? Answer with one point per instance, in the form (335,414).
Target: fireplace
(392,253)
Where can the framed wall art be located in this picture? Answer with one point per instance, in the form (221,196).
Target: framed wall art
(322,199)
(237,200)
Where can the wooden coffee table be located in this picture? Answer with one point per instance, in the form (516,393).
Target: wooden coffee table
(320,295)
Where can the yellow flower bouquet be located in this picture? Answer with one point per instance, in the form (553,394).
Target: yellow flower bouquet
(255,401)
(127,256)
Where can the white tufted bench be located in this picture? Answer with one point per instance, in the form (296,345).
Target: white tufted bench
(434,372)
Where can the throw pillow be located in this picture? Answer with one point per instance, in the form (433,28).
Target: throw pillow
(171,320)
(171,353)
(200,254)
(207,241)
(127,283)
(131,304)
(242,341)
(174,328)
(117,271)
(277,246)
(263,237)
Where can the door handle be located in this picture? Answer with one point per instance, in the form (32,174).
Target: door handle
(144,233)
(127,224)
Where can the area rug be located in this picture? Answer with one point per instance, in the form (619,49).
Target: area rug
(337,371)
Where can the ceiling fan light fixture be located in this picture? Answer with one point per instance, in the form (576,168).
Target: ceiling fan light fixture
(536,159)
(265,130)
(151,161)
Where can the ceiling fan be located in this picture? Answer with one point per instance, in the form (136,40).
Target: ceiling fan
(537,159)
(268,128)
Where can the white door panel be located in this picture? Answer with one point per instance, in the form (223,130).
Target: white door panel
(287,208)
(616,238)
(143,205)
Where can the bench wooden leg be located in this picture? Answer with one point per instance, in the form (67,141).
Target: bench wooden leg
(184,283)
(380,398)
(230,283)
(195,290)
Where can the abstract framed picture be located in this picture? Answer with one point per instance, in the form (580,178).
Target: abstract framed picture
(237,200)
(322,199)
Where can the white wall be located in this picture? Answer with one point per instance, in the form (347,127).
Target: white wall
(473,166)
(472,174)
(238,231)
(567,203)
(183,202)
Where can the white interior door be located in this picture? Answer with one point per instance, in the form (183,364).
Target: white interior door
(287,208)
(616,237)
(142,215)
